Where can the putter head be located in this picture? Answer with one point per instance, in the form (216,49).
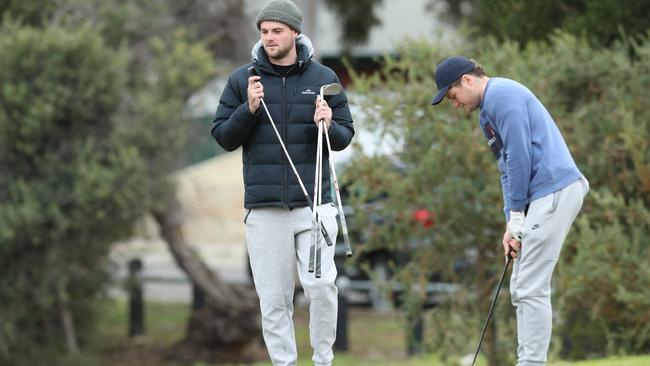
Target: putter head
(330,89)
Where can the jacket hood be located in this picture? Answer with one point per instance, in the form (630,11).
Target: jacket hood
(305,50)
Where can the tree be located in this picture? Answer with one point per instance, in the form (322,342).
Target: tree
(223,26)
(87,88)
(601,21)
(57,219)
(228,328)
(357,18)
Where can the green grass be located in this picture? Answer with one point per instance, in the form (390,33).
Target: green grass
(374,340)
(612,361)
(431,360)
(164,323)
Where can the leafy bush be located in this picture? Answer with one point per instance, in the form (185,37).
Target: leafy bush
(602,21)
(88,136)
(70,186)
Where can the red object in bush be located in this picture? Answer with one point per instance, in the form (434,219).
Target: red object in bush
(425,217)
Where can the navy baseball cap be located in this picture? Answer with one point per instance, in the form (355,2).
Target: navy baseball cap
(448,71)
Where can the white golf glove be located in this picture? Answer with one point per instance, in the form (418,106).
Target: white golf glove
(516,224)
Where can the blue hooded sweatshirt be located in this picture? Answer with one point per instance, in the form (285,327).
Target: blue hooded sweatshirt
(534,160)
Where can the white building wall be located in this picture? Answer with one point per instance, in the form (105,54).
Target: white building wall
(399,19)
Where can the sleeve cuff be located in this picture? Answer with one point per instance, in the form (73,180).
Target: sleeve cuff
(248,111)
(518,205)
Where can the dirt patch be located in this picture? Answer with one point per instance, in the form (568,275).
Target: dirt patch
(143,353)
(373,337)
(135,353)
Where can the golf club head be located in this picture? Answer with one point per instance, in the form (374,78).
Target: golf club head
(330,89)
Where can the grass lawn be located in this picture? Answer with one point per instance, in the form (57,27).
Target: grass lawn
(374,340)
(347,360)
(613,361)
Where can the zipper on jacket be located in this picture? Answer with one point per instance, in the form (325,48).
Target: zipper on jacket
(285,133)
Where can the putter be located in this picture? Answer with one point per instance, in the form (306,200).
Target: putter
(253,72)
(503,275)
(334,89)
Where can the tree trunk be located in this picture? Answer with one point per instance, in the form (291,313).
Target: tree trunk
(228,328)
(67,320)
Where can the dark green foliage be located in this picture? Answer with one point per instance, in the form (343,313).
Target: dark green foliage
(605,21)
(69,186)
(602,22)
(604,279)
(519,20)
(598,99)
(357,18)
(28,12)
(91,127)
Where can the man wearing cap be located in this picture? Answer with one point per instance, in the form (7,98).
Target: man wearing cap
(542,188)
(277,218)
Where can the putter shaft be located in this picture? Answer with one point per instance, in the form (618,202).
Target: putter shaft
(503,275)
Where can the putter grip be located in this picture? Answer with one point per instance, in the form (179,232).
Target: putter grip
(252,71)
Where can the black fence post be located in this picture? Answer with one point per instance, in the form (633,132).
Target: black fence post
(341,342)
(136,302)
(416,336)
(198,297)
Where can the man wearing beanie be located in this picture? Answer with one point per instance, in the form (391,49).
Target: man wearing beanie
(542,189)
(278,218)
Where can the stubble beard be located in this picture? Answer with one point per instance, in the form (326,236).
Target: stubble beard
(280,53)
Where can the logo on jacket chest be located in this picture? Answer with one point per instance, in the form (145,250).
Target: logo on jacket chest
(308,92)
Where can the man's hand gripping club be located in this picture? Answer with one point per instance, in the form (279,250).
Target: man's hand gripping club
(513,235)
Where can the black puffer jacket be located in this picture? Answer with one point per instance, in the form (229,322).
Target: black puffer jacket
(268,177)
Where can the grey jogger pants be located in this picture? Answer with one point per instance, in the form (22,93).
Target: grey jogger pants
(546,226)
(278,243)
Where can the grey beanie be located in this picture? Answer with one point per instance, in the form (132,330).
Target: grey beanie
(283,11)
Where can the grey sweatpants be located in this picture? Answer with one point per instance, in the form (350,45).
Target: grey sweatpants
(278,243)
(546,226)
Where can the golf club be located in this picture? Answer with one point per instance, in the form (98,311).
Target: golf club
(253,72)
(319,199)
(314,233)
(333,89)
(503,275)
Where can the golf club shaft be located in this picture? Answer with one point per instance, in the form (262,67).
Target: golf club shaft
(318,199)
(503,275)
(314,219)
(344,225)
(293,167)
